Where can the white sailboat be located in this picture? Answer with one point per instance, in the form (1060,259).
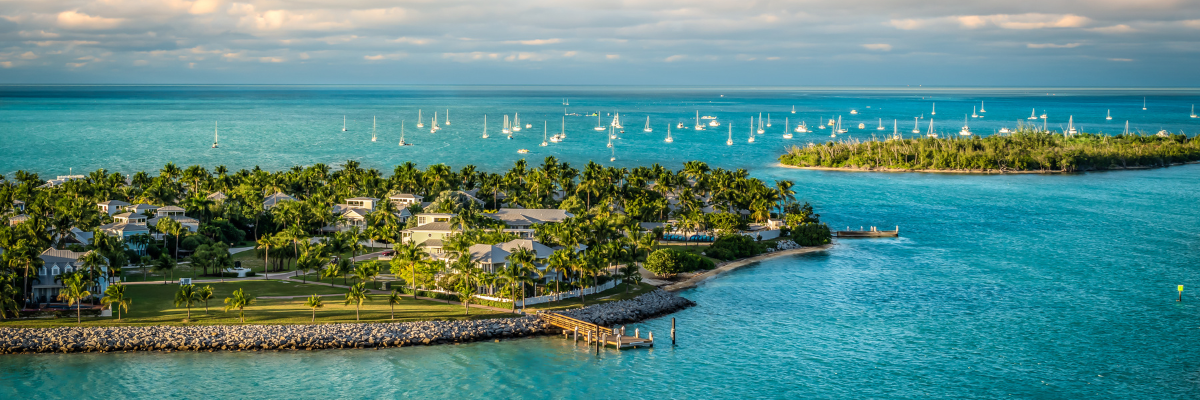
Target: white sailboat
(729,142)
(1108,116)
(647,125)
(880,128)
(966,130)
(930,133)
(545,134)
(402,143)
(1032,114)
(895,130)
(768,120)
(760,128)
(612,153)
(504,128)
(599,125)
(802,128)
(786,124)
(433,124)
(343,123)
(831,122)
(420,123)
(610,137)
(699,126)
(485,135)
(1043,116)
(973,114)
(679,126)
(373,137)
(1126,128)
(981,110)
(616,122)
(793,109)
(447,117)
(916,126)
(516,126)
(1143,104)
(1194,111)
(558,137)
(1071,125)
(751,140)
(669,140)
(840,129)
(565,102)
(216,134)
(934,111)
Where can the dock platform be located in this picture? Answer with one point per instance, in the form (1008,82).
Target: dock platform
(583,330)
(864,233)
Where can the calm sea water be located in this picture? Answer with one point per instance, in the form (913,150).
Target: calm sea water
(1056,286)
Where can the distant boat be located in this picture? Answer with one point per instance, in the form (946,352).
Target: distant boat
(1194,111)
(485,135)
(839,128)
(343,123)
(599,125)
(1143,104)
(802,128)
(616,123)
(713,122)
(373,128)
(516,126)
(966,130)
(523,151)
(895,130)
(433,124)
(505,128)
(699,126)
(1126,128)
(420,124)
(760,128)
(217,133)
(853,112)
(930,133)
(786,124)
(751,139)
(402,143)
(678,126)
(934,111)
(793,109)
(1071,125)
(916,127)
(1005,130)
(729,142)
(1109,115)
(831,122)
(1043,116)
(862,125)
(545,134)
(562,131)
(768,120)
(447,117)
(880,128)
(647,125)
(973,114)
(610,137)
(981,110)
(565,102)
(669,140)
(1032,114)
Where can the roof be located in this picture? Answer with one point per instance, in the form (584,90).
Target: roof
(115,203)
(18,218)
(432,243)
(531,215)
(541,250)
(488,254)
(218,196)
(363,198)
(179,219)
(406,196)
(276,198)
(53,255)
(142,207)
(356,212)
(171,208)
(124,227)
(433,227)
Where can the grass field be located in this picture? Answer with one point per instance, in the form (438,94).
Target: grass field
(154,305)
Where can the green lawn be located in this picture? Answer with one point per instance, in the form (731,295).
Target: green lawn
(617,293)
(154,305)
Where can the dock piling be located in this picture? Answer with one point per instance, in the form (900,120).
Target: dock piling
(577,334)
(672,331)
(637,333)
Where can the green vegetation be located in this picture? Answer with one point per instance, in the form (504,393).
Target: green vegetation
(1025,150)
(669,262)
(617,293)
(732,247)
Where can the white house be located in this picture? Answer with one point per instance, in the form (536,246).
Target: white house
(404,200)
(112,206)
(177,214)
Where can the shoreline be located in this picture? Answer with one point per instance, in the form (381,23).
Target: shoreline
(975,172)
(735,264)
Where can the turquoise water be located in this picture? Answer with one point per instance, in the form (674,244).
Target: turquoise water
(1016,286)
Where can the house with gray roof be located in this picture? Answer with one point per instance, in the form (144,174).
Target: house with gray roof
(112,206)
(432,230)
(57,262)
(274,200)
(177,214)
(521,220)
(217,197)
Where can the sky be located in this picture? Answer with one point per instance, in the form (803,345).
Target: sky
(589,42)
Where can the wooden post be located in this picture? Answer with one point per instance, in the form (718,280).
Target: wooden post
(603,339)
(651,333)
(672,331)
(618,342)
(1180,293)
(589,338)
(622,330)
(637,333)
(576,334)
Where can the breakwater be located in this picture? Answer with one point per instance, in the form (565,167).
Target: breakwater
(316,337)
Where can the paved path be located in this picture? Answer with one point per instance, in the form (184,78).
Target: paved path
(236,250)
(279,275)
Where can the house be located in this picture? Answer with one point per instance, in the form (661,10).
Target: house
(427,218)
(362,202)
(432,230)
(142,209)
(17,219)
(521,220)
(177,214)
(57,262)
(404,200)
(112,206)
(217,197)
(61,179)
(19,205)
(274,200)
(491,258)
(124,225)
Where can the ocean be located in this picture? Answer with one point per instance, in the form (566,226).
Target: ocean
(1013,286)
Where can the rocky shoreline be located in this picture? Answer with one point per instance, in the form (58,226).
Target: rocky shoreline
(316,337)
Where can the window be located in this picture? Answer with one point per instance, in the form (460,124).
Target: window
(42,270)
(68,270)
(54,271)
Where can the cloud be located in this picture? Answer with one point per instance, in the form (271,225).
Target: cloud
(1026,21)
(204,6)
(380,57)
(416,41)
(29,56)
(1052,45)
(1121,59)
(81,21)
(674,58)
(6,64)
(612,56)
(1122,28)
(141,63)
(536,42)
(877,46)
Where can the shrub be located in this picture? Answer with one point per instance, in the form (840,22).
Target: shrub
(732,247)
(668,262)
(249,274)
(192,242)
(811,234)
(154,251)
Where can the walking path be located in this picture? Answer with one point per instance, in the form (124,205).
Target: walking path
(735,264)
(279,275)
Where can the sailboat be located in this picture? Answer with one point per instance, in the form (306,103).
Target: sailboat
(558,137)
(679,126)
(1126,128)
(420,124)
(545,134)
(1032,114)
(1043,116)
(831,122)
(786,124)
(699,126)
(981,110)
(751,140)
(760,128)
(613,153)
(565,102)
(447,117)
(343,123)
(433,124)
(880,128)
(793,109)
(895,131)
(216,134)
(1071,125)
(599,125)
(1006,130)
(402,143)
(1194,111)
(373,128)
(819,124)
(934,111)
(839,126)
(973,114)
(516,126)
(729,142)
(647,125)
(966,130)
(1143,104)
(617,121)
(916,127)
(930,133)
(485,135)
(1108,117)
(610,137)
(768,120)
(669,140)
(504,128)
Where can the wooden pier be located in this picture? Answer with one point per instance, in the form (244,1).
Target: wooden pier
(592,333)
(862,233)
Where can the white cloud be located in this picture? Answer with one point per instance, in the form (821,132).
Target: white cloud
(408,40)
(380,57)
(1121,59)
(612,56)
(674,58)
(535,42)
(878,46)
(1122,28)
(29,56)
(1052,45)
(81,21)
(6,64)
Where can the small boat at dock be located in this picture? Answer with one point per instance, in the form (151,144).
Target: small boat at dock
(864,233)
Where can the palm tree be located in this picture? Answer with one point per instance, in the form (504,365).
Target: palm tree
(465,289)
(631,276)
(174,228)
(74,290)
(8,296)
(239,300)
(314,302)
(205,293)
(560,264)
(520,264)
(164,265)
(332,270)
(366,272)
(393,299)
(357,295)
(186,296)
(265,243)
(408,255)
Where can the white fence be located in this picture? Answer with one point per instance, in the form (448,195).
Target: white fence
(557,296)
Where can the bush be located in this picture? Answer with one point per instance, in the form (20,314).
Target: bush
(249,274)
(227,232)
(192,242)
(811,234)
(732,247)
(154,251)
(668,262)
